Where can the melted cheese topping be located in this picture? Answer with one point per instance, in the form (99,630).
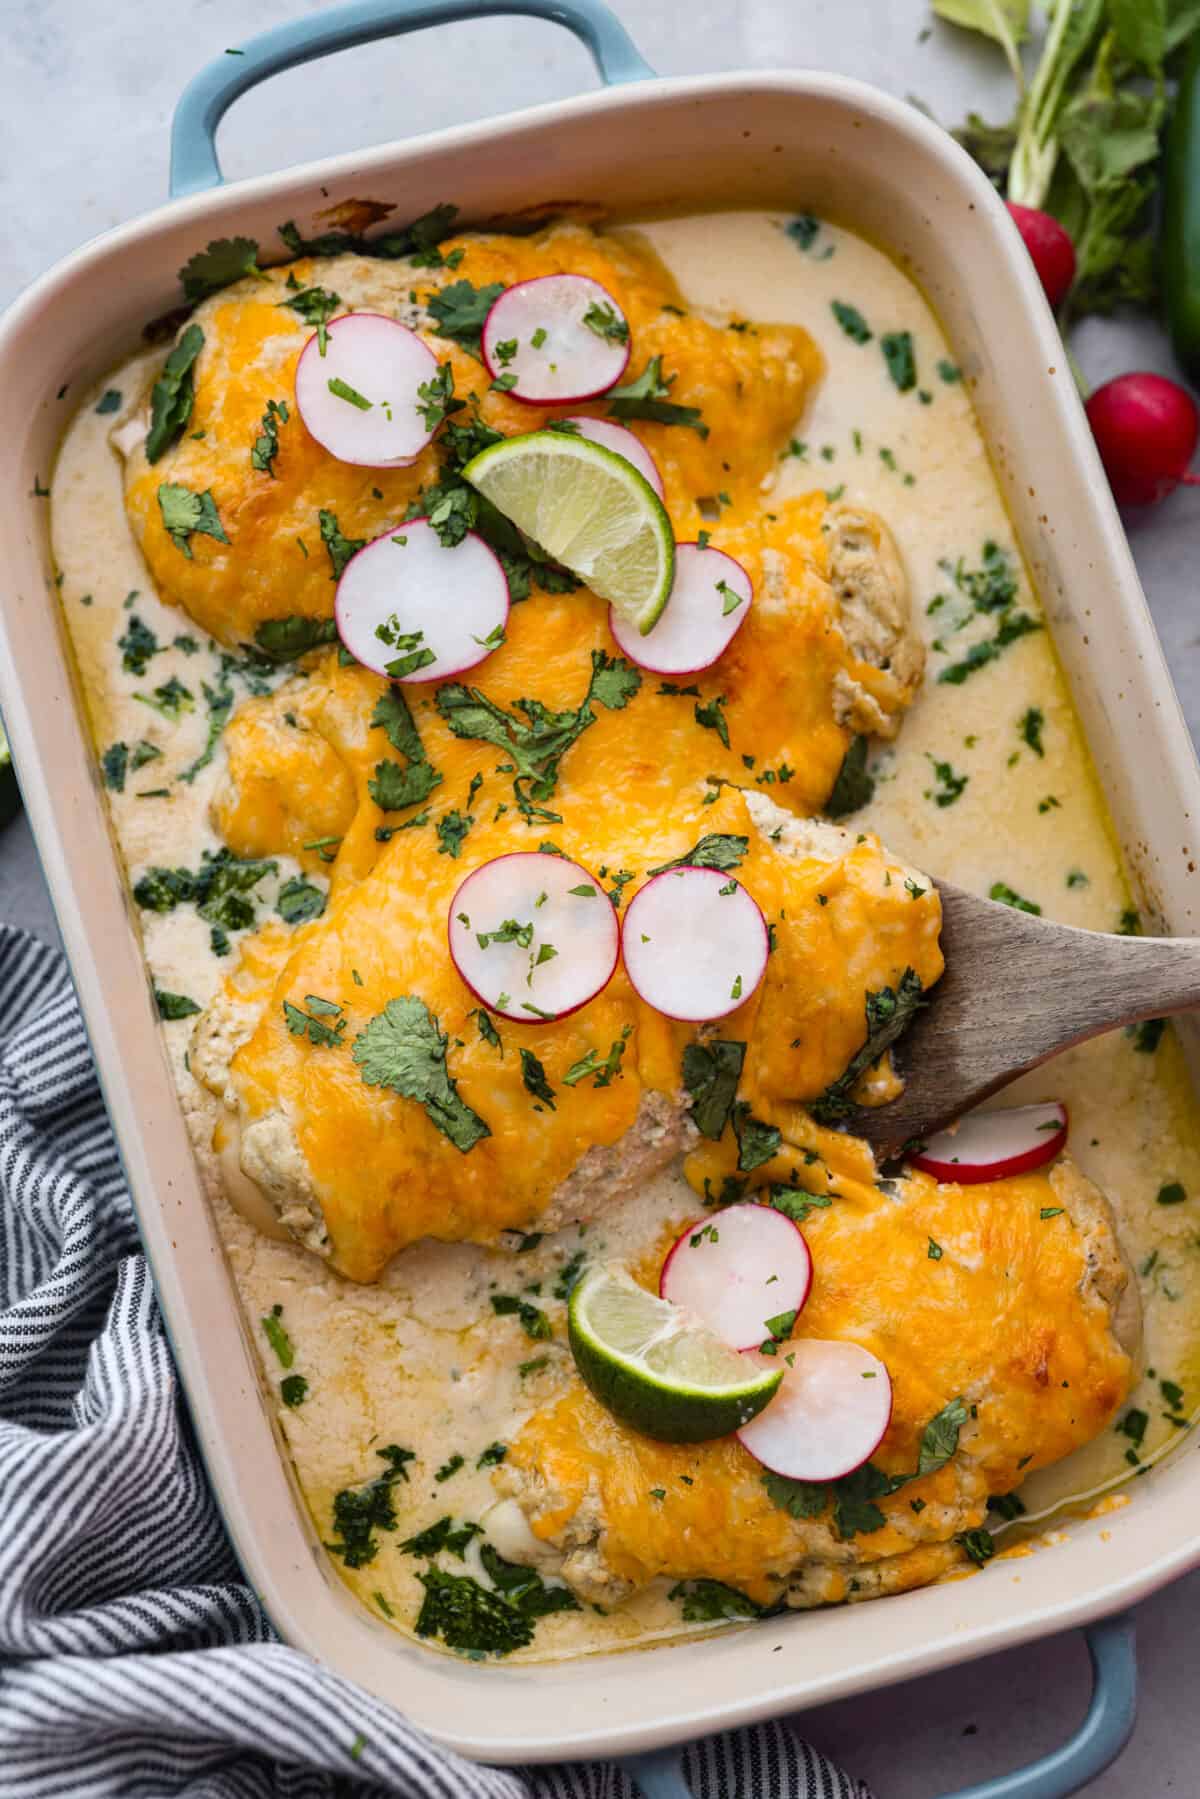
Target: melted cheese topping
(1006,1317)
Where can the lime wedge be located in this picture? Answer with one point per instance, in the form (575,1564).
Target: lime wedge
(658,1368)
(589,509)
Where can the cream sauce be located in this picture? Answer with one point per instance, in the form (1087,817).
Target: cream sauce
(420,1359)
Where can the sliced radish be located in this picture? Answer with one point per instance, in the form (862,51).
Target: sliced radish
(621,442)
(744,1270)
(555,338)
(695,944)
(710,598)
(830,1414)
(533,936)
(408,607)
(985,1146)
(360,399)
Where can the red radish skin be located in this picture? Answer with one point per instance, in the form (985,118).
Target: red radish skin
(710,601)
(569,914)
(737,1268)
(1146,429)
(1051,250)
(407,583)
(695,943)
(622,442)
(569,361)
(381,361)
(990,1146)
(829,1415)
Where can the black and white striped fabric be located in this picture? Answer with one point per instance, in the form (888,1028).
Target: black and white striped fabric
(134,1661)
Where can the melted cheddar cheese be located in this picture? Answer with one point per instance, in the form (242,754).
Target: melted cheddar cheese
(1016,1316)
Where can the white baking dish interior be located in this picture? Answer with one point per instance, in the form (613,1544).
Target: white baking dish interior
(796,141)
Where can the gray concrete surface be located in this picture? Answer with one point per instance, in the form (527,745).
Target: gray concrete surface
(86,95)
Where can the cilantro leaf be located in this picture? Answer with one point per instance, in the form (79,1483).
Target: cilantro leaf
(1012,627)
(422,235)
(452,829)
(285,639)
(524,1587)
(340,548)
(299,900)
(468,1617)
(898,353)
(220,704)
(185,514)
(225,260)
(459,310)
(442,1535)
(316,306)
(137,644)
(799,1498)
(265,447)
(711,1601)
(218,889)
(404,1048)
(533,1320)
(889,1011)
(646,397)
(534,1077)
(716,849)
(172,395)
(854,1496)
(757,1142)
(711,715)
(796,1204)
(393,785)
(114,763)
(322,1023)
(174,1005)
(277,1337)
(536,742)
(852,321)
(358,1512)
(711,1072)
(855,785)
(940,1437)
(978,1544)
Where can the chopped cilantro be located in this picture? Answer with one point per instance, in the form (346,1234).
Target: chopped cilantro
(358,1512)
(532,1319)
(174,1005)
(712,1602)
(277,1337)
(855,785)
(115,762)
(172,395)
(647,397)
(284,639)
(394,785)
(711,1072)
(1008,896)
(536,742)
(897,347)
(602,1071)
(1171,1193)
(757,1142)
(1030,729)
(711,714)
(459,311)
(293,1390)
(316,306)
(978,1544)
(851,321)
(265,447)
(110,401)
(534,1077)
(452,829)
(225,260)
(137,644)
(492,1456)
(340,548)
(450,1468)
(950,785)
(606,322)
(322,1023)
(889,1011)
(404,1048)
(716,849)
(299,900)
(442,1535)
(939,1440)
(796,1204)
(186,514)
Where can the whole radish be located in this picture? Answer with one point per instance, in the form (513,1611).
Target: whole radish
(1051,249)
(1146,429)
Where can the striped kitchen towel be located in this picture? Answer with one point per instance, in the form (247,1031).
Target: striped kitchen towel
(134,1660)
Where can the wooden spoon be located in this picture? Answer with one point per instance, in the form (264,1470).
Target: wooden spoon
(1017,990)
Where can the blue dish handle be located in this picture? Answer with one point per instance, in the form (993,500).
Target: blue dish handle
(1097,1742)
(209,95)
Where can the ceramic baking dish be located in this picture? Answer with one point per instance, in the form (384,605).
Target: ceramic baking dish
(790,140)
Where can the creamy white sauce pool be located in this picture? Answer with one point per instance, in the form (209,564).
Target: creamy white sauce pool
(419,1359)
